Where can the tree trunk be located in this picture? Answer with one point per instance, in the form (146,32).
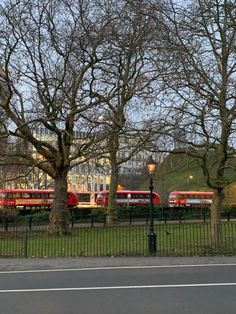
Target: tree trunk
(215,227)
(111,213)
(58,220)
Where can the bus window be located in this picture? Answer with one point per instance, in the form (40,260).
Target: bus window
(102,195)
(83,197)
(174,196)
(121,196)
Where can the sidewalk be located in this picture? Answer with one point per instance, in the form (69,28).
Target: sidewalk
(11,264)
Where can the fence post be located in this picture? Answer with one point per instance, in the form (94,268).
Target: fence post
(165,217)
(204,215)
(180,216)
(25,242)
(30,222)
(130,217)
(5,223)
(72,218)
(92,220)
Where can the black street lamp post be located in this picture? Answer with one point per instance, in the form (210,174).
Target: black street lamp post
(151,166)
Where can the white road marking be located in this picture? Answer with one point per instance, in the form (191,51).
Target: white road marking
(112,268)
(226,284)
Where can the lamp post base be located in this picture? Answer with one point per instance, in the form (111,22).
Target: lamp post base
(152,246)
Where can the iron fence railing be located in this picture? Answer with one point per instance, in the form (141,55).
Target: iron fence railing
(123,239)
(96,216)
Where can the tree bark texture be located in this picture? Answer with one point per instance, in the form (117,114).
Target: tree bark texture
(111,212)
(215,226)
(58,220)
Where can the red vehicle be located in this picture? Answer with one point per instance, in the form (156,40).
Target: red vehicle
(86,199)
(29,199)
(190,198)
(126,198)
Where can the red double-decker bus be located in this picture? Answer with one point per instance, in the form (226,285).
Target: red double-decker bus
(190,198)
(87,199)
(126,198)
(30,199)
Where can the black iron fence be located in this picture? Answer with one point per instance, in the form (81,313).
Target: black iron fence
(131,215)
(123,239)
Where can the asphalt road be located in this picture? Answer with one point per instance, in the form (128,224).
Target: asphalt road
(118,285)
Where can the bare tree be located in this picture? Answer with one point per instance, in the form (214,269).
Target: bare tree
(129,79)
(76,69)
(199,76)
(48,52)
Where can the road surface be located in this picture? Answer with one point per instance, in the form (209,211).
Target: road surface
(117,286)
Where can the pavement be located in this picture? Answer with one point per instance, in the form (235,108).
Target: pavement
(14,264)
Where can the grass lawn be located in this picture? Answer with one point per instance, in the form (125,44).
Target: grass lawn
(173,239)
